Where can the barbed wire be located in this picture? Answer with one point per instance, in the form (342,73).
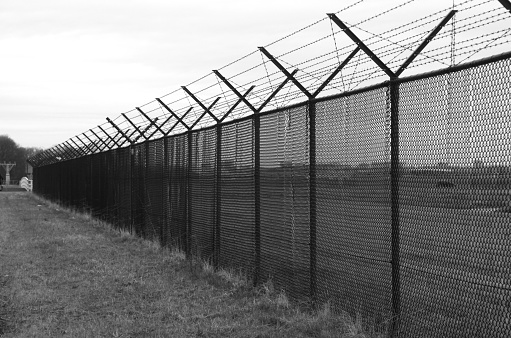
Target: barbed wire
(475,31)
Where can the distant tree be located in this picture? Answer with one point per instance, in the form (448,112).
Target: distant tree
(11,152)
(31,151)
(8,149)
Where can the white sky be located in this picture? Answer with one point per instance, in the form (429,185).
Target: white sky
(66,65)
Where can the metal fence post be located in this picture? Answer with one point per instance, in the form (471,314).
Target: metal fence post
(131,179)
(188,235)
(145,195)
(257,191)
(312,199)
(394,187)
(218,200)
(165,196)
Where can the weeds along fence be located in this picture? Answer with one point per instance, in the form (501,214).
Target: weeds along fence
(334,202)
(392,201)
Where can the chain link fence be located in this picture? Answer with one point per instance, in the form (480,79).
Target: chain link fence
(393,202)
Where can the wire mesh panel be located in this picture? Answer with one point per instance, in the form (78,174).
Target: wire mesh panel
(71,172)
(66,171)
(331,209)
(123,179)
(56,175)
(285,200)
(53,174)
(237,196)
(178,180)
(51,182)
(88,183)
(74,185)
(353,203)
(104,186)
(37,185)
(95,185)
(203,192)
(138,194)
(154,186)
(62,182)
(79,185)
(66,182)
(455,189)
(110,184)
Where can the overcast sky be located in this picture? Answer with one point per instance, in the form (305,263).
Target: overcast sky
(65,65)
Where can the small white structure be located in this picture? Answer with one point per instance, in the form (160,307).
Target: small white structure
(26,184)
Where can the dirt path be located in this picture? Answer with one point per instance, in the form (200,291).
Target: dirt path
(64,275)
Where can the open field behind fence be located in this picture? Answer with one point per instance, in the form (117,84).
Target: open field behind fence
(393,201)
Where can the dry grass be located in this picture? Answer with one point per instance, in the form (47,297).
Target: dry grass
(63,274)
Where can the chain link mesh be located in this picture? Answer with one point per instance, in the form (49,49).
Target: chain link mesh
(237,196)
(203,193)
(454,203)
(353,201)
(448,275)
(285,200)
(177,158)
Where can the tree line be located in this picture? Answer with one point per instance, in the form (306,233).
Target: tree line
(11,152)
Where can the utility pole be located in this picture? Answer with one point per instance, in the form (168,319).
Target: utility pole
(7,167)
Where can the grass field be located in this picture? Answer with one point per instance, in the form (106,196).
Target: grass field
(63,274)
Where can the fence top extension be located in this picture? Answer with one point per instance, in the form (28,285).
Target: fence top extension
(331,56)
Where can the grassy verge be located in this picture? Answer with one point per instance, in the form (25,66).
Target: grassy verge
(63,274)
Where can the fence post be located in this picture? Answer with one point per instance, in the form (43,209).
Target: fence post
(188,234)
(165,196)
(218,200)
(145,196)
(312,199)
(257,192)
(394,187)
(132,180)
